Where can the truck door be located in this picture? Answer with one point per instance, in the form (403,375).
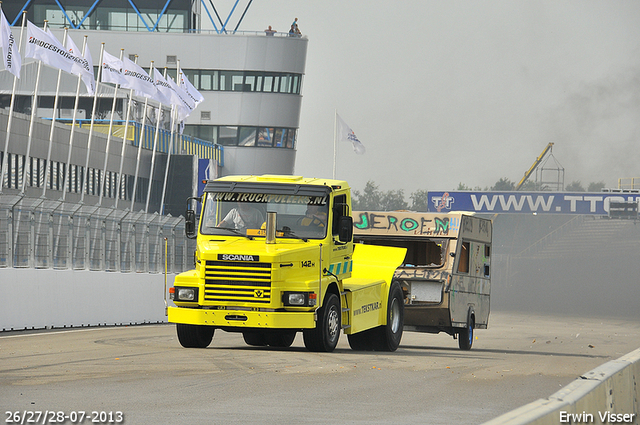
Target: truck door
(341,262)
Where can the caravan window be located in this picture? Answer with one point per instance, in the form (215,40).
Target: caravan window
(421,252)
(463,258)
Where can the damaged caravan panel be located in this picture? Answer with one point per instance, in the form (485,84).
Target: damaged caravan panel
(446,273)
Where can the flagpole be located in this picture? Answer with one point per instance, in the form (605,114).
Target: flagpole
(335,140)
(34,112)
(135,177)
(53,121)
(178,82)
(93,115)
(67,176)
(11,104)
(103,185)
(124,136)
(155,143)
(174,112)
(174,119)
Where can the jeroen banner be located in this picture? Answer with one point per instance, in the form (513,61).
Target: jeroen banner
(528,202)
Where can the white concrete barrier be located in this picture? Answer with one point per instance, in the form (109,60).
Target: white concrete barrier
(608,394)
(37,299)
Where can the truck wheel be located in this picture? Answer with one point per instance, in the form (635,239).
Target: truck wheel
(324,337)
(387,337)
(465,337)
(362,341)
(280,338)
(256,339)
(194,336)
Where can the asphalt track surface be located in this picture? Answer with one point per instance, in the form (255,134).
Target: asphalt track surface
(143,372)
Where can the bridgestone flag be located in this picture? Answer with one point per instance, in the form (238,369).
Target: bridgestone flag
(186,85)
(186,105)
(112,69)
(164,91)
(174,94)
(85,70)
(346,134)
(49,50)
(137,79)
(10,54)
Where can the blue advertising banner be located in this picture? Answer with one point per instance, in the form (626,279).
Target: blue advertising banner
(528,202)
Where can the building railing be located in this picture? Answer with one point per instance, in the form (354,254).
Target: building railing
(183,143)
(47,234)
(629,183)
(263,33)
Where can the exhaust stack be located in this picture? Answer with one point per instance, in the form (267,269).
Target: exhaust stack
(271,227)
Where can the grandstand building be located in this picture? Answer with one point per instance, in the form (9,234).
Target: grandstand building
(247,124)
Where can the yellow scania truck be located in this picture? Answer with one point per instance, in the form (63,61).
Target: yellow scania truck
(275,256)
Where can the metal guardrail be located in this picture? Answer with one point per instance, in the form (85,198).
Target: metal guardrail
(552,236)
(629,183)
(136,133)
(47,234)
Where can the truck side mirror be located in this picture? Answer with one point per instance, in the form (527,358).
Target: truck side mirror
(190,224)
(345,229)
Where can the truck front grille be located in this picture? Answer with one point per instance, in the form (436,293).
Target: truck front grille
(238,282)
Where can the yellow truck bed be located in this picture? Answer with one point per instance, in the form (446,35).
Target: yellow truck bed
(367,290)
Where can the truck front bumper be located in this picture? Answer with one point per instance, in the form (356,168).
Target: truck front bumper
(242,319)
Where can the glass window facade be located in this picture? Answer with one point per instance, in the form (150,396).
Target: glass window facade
(118,15)
(245,81)
(262,137)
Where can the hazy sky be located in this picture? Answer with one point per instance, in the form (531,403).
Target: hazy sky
(448,92)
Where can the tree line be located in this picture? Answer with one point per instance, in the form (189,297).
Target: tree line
(372,198)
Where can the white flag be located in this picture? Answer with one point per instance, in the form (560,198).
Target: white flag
(10,54)
(164,89)
(85,68)
(346,134)
(112,69)
(186,85)
(137,79)
(45,47)
(186,104)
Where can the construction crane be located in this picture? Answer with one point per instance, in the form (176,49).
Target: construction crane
(537,162)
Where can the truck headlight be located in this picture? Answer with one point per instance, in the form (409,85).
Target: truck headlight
(186,294)
(298,299)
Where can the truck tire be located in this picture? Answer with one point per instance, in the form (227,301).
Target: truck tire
(324,337)
(465,337)
(387,337)
(362,341)
(256,339)
(280,338)
(194,336)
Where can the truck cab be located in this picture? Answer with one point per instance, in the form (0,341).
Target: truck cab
(274,257)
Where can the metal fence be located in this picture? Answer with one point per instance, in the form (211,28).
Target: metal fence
(48,234)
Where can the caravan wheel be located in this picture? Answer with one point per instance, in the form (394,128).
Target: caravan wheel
(465,337)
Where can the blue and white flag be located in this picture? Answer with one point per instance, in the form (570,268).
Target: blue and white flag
(346,134)
(10,54)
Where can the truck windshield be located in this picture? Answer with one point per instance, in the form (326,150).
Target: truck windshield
(421,252)
(297,217)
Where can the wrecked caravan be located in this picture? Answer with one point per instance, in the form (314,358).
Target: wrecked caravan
(446,273)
